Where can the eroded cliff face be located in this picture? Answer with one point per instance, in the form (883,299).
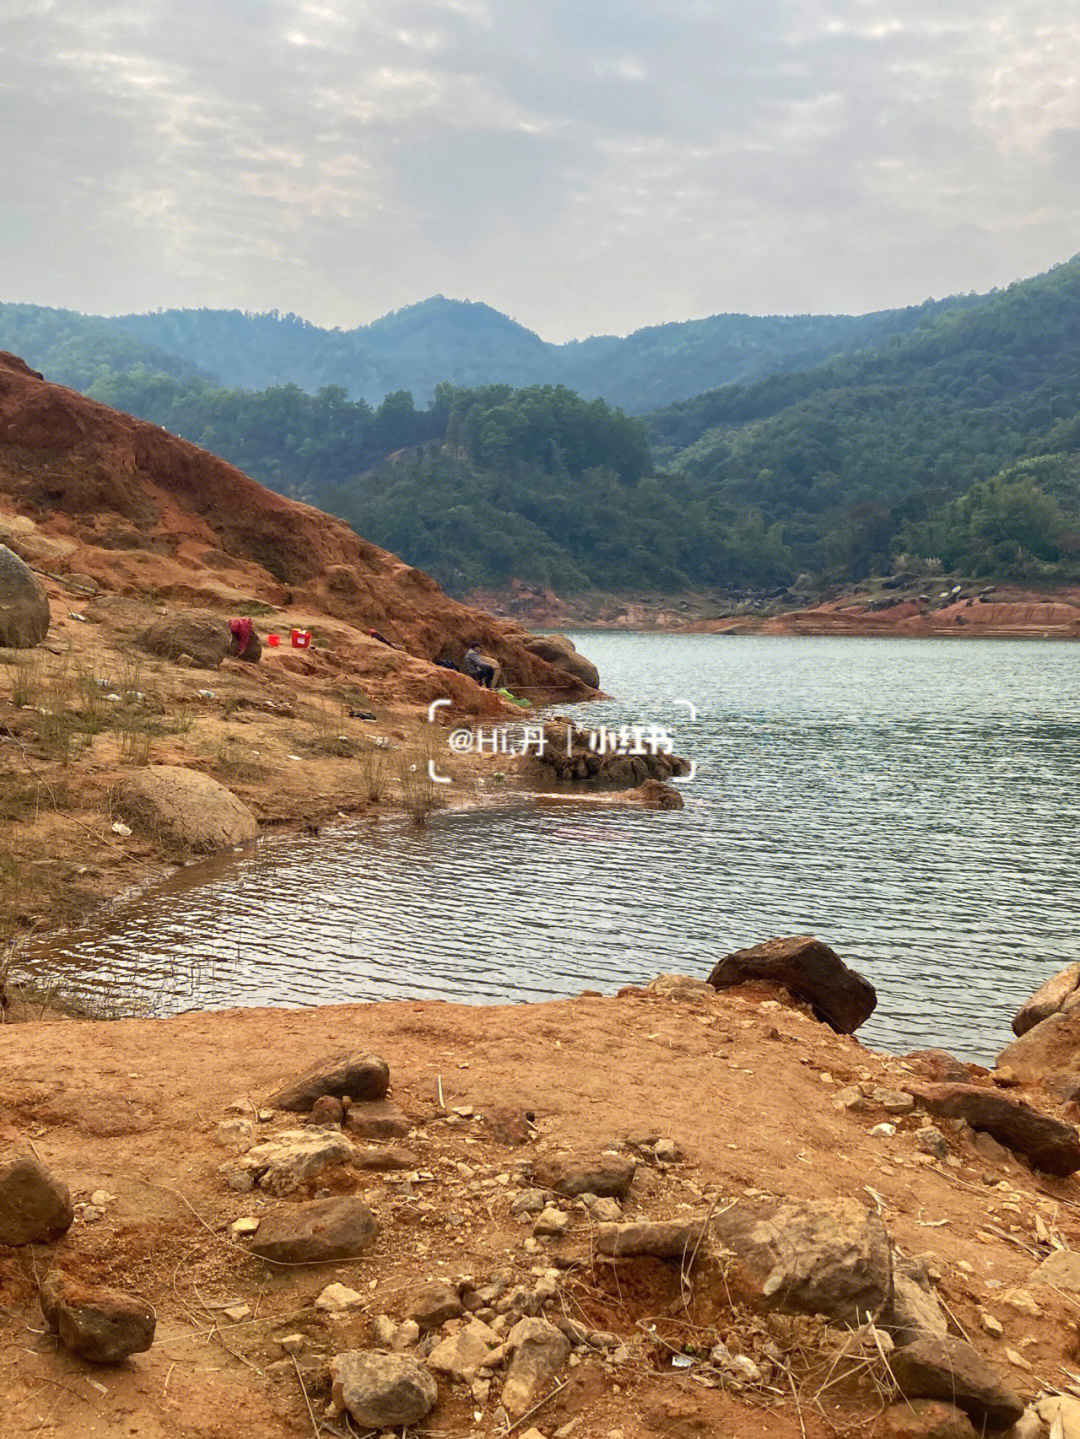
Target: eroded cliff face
(141,511)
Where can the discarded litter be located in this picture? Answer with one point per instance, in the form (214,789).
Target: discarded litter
(119,828)
(206,694)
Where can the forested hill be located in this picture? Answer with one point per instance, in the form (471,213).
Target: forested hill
(440,340)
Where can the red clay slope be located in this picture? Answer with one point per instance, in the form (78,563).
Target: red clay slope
(144,512)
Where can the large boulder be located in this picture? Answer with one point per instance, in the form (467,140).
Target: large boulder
(561,652)
(35,1206)
(810,971)
(24,605)
(824,1256)
(1049,1144)
(186,808)
(326,1229)
(382,1391)
(949,1369)
(1048,1054)
(95,1322)
(1060,991)
(200,634)
(357,1076)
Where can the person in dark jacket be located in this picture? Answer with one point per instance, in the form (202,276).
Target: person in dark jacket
(479,667)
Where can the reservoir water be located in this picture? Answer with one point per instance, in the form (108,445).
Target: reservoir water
(912,802)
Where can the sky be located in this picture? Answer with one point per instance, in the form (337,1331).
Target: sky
(585,167)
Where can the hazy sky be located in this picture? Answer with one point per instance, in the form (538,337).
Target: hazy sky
(586,167)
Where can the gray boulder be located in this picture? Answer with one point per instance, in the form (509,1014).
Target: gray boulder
(824,1256)
(186,808)
(24,605)
(382,1391)
(200,634)
(953,1371)
(561,652)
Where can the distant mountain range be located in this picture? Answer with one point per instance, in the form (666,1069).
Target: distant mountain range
(460,342)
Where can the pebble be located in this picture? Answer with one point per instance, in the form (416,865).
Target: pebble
(337,1298)
(883,1131)
(291,1343)
(991,1325)
(247,1225)
(552,1223)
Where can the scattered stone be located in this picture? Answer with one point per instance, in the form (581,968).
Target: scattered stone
(1063,1407)
(382,1391)
(1022,1302)
(938,1065)
(931,1141)
(893,1101)
(1049,1144)
(239,1228)
(914,1312)
(987,1146)
(538,1350)
(508,1126)
(663,1239)
(24,604)
(667,1151)
(1062,1270)
(953,1371)
(358,1075)
(461,1355)
(325,1229)
(327,1111)
(824,1256)
(238,1134)
(1051,997)
(35,1206)
(991,1325)
(433,1304)
(606,1211)
(850,1097)
(809,970)
(681,987)
(99,1324)
(605,1175)
(883,1131)
(387,1159)
(529,1201)
(292,1343)
(337,1299)
(377,1119)
(927,1419)
(237,1313)
(408,1334)
(295,1156)
(185,807)
(551,1224)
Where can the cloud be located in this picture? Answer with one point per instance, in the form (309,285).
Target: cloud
(586,167)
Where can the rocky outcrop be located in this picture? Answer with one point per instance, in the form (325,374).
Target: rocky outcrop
(97,1323)
(950,1370)
(1061,991)
(35,1206)
(655,794)
(186,808)
(1048,1143)
(326,1229)
(1048,1054)
(810,971)
(24,605)
(357,1076)
(203,637)
(292,1158)
(561,652)
(825,1256)
(603,757)
(382,1391)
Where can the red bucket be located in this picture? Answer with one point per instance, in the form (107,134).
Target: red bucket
(301,639)
(273,641)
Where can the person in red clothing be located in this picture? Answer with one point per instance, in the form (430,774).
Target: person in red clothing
(241,630)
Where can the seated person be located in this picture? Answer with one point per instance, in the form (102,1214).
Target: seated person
(480,667)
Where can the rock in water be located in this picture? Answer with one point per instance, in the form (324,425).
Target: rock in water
(1051,997)
(326,1229)
(382,1391)
(35,1206)
(560,652)
(950,1370)
(186,807)
(1050,1145)
(201,635)
(824,1256)
(97,1323)
(24,605)
(810,971)
(356,1076)
(606,1175)
(538,1350)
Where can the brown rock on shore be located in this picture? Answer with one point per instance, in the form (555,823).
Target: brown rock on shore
(1050,1144)
(810,971)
